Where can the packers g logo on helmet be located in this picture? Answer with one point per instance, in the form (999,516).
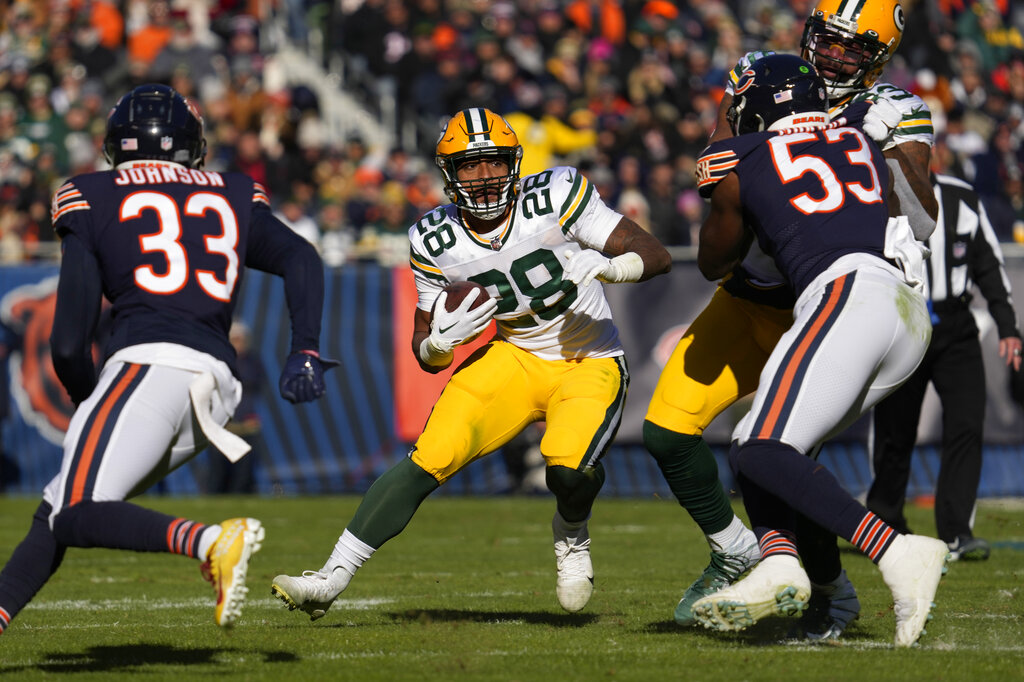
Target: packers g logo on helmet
(476,134)
(850,41)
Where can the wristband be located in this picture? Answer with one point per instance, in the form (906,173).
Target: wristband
(629,267)
(431,355)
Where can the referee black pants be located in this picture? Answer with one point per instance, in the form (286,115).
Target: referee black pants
(953,364)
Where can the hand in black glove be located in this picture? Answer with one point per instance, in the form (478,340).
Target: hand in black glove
(302,379)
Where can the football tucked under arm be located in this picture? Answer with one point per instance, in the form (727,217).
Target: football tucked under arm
(460,314)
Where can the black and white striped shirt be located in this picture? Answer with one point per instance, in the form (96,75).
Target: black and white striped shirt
(965,252)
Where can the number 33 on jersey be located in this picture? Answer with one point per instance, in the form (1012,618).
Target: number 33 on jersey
(520,264)
(171,242)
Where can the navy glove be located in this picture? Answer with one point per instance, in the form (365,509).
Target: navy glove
(302,379)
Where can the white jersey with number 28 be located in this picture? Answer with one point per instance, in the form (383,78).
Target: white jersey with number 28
(521,263)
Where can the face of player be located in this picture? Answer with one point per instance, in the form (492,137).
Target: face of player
(474,176)
(835,56)
(483,180)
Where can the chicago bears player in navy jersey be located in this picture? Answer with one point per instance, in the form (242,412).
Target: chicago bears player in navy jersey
(813,195)
(166,242)
(720,356)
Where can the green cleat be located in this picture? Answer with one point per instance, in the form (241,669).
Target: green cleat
(723,571)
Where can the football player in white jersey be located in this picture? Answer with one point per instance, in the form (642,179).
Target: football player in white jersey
(721,356)
(541,246)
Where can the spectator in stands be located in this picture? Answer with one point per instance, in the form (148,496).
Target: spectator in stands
(337,243)
(549,139)
(668,223)
(183,51)
(146,42)
(292,214)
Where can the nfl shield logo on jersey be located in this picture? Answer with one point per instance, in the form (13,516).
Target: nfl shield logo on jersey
(166,142)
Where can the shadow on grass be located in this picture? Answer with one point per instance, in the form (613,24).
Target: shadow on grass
(125,657)
(768,632)
(426,616)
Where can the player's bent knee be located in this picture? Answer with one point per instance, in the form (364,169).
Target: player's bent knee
(665,444)
(575,490)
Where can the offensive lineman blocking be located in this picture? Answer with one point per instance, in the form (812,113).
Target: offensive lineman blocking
(537,245)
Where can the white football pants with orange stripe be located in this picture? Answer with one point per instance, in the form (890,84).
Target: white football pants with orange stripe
(136,427)
(859,332)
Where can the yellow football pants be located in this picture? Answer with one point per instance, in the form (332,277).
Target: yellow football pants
(501,389)
(717,362)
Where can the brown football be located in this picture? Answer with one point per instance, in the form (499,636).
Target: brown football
(457,292)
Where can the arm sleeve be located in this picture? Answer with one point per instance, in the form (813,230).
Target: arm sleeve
(79,295)
(276,249)
(990,276)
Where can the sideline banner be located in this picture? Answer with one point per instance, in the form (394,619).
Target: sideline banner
(379,398)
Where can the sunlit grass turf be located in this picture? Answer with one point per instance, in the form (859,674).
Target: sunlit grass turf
(467,592)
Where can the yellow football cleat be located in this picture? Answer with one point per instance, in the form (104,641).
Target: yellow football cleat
(228,563)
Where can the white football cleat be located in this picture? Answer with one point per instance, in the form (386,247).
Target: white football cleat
(575,571)
(312,592)
(776,586)
(912,567)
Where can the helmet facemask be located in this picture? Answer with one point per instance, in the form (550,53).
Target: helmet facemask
(857,61)
(474,196)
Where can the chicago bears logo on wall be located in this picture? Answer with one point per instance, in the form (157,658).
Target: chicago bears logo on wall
(28,312)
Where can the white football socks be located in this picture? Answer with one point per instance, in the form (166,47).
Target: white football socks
(349,553)
(735,538)
(206,540)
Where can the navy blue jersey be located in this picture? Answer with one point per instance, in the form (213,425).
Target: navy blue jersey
(171,244)
(811,196)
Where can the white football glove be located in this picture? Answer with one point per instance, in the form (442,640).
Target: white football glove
(451,329)
(581,268)
(881,120)
(741,66)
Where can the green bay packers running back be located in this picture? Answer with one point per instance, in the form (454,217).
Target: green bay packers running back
(540,246)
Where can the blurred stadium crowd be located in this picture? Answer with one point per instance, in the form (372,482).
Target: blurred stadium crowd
(624,89)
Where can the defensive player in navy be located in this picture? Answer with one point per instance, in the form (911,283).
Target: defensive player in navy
(166,242)
(720,356)
(813,195)
(541,246)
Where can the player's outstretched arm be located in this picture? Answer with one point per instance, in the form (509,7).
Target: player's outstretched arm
(79,296)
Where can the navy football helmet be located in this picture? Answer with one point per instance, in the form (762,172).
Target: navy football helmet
(777,91)
(154,122)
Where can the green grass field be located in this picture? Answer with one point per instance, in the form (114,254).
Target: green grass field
(467,593)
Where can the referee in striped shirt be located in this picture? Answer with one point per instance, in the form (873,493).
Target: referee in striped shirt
(965,252)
